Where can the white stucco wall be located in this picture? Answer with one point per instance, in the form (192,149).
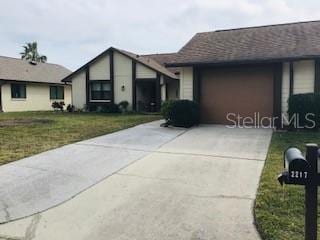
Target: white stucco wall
(100,69)
(186,83)
(144,72)
(37,99)
(303,80)
(79,90)
(122,77)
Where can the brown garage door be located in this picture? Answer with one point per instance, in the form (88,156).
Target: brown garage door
(241,91)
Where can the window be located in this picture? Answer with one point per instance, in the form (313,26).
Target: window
(100,90)
(56,92)
(18,90)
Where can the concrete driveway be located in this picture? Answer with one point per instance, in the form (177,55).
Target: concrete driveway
(197,185)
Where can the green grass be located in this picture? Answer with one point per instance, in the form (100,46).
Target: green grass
(280,210)
(28,133)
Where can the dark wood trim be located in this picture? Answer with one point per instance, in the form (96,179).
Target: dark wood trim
(85,66)
(241,62)
(99,100)
(196,84)
(32,82)
(277,94)
(134,87)
(112,49)
(158,93)
(291,78)
(111,65)
(317,75)
(87,85)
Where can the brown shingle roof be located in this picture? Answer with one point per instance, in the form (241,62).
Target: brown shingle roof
(293,40)
(149,62)
(21,70)
(163,59)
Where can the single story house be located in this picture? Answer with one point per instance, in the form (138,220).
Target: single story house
(249,70)
(30,86)
(117,75)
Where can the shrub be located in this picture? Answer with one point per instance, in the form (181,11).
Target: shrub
(70,108)
(103,108)
(123,105)
(304,108)
(57,106)
(165,108)
(184,113)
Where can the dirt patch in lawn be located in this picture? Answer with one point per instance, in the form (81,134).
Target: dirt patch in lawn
(23,122)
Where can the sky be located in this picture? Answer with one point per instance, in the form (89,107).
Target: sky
(72,32)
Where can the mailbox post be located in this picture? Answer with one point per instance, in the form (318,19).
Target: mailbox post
(304,171)
(311,197)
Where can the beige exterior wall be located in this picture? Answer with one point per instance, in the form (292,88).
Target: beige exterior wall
(304,75)
(144,72)
(173,89)
(303,80)
(186,83)
(122,77)
(285,87)
(38,98)
(100,69)
(79,90)
(163,86)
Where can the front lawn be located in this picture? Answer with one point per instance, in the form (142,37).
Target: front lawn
(280,210)
(28,133)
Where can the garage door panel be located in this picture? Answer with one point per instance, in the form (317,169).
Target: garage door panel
(243,91)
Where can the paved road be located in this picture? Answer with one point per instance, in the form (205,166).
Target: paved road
(199,185)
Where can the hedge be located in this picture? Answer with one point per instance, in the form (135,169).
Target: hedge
(181,113)
(305,108)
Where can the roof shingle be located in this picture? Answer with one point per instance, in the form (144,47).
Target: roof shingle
(155,65)
(293,40)
(21,70)
(163,59)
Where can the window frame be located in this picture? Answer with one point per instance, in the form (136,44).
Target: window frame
(101,82)
(56,92)
(12,85)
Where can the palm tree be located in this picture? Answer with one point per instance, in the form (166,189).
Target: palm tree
(31,53)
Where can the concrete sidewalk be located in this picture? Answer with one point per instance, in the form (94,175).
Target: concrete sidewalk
(45,180)
(194,187)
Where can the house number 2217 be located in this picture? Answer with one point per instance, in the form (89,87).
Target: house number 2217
(298,174)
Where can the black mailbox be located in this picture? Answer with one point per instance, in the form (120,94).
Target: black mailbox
(302,170)
(296,166)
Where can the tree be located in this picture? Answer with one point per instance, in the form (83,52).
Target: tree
(31,53)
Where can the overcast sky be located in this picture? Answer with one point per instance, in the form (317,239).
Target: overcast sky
(71,32)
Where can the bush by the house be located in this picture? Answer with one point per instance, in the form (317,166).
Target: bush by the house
(71,108)
(165,108)
(104,108)
(123,105)
(304,111)
(182,113)
(58,106)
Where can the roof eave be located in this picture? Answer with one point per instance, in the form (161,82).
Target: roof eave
(33,82)
(244,61)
